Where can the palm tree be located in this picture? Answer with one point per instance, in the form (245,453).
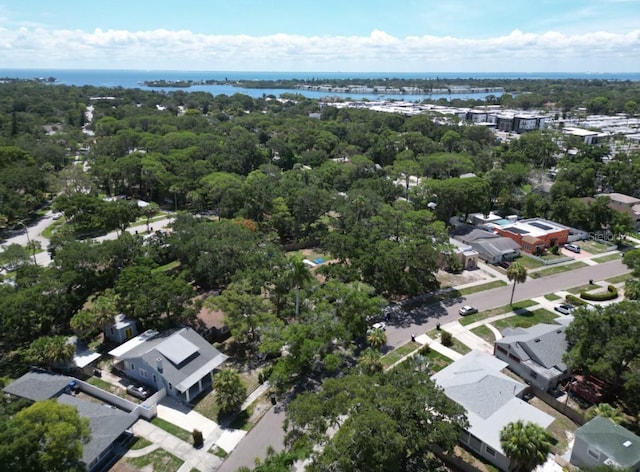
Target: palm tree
(518,274)
(606,411)
(230,391)
(525,444)
(377,338)
(632,289)
(149,211)
(369,362)
(298,276)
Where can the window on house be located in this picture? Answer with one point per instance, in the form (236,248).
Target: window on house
(593,453)
(170,387)
(491,452)
(132,366)
(501,349)
(475,443)
(533,375)
(143,373)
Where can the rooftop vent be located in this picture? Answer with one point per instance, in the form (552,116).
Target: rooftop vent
(537,340)
(627,444)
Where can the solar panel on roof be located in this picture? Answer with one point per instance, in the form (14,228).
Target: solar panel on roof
(540,225)
(518,230)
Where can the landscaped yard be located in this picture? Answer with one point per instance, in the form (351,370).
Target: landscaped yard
(587,287)
(526,319)
(398,353)
(436,360)
(160,461)
(557,269)
(140,443)
(483,315)
(552,297)
(530,262)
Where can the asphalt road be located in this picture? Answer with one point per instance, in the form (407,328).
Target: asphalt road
(421,320)
(417,321)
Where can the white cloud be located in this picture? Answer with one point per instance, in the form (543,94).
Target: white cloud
(168,49)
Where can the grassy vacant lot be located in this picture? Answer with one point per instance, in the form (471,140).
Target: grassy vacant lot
(483,315)
(595,247)
(558,269)
(485,333)
(526,319)
(398,353)
(172,429)
(159,460)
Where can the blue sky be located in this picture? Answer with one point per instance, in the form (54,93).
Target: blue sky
(324,36)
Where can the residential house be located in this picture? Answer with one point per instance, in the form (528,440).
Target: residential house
(601,442)
(491,247)
(121,330)
(491,399)
(108,426)
(535,354)
(465,254)
(179,360)
(84,359)
(626,204)
(534,235)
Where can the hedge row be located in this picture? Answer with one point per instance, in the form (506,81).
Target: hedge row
(610,294)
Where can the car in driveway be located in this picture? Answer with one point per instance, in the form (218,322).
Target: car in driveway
(564,308)
(138,392)
(573,248)
(379,325)
(467,310)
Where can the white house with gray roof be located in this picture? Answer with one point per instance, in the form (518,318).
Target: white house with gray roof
(535,354)
(491,399)
(179,360)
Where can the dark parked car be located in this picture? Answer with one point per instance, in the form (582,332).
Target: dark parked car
(138,392)
(504,264)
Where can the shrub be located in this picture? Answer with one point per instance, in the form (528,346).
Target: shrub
(555,249)
(446,338)
(610,294)
(424,350)
(572,299)
(198,439)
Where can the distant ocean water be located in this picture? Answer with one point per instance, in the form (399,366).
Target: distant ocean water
(134,79)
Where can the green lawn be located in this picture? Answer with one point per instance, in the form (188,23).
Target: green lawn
(558,269)
(459,346)
(609,257)
(163,268)
(218,451)
(171,428)
(587,287)
(208,406)
(530,262)
(552,297)
(526,319)
(398,353)
(481,287)
(159,460)
(48,231)
(467,320)
(620,278)
(437,361)
(485,333)
(140,443)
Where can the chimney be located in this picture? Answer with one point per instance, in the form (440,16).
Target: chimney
(159,364)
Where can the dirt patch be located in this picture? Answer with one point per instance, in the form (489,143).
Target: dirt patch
(448,279)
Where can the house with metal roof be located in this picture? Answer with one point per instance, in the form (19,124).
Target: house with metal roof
(492,400)
(535,354)
(179,360)
(603,442)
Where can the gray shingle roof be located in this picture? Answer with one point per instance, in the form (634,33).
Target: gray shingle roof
(106,425)
(185,355)
(610,438)
(38,385)
(544,344)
